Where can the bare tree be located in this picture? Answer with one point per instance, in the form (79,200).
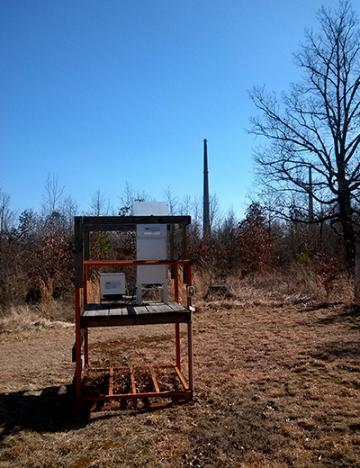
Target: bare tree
(185,206)
(128,197)
(53,195)
(99,204)
(69,209)
(215,213)
(171,200)
(317,125)
(6,214)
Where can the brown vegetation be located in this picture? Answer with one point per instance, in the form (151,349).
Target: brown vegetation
(276,385)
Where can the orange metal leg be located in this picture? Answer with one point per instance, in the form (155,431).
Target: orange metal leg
(189,279)
(177,325)
(78,362)
(190,357)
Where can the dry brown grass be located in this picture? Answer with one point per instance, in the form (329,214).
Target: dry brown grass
(296,284)
(275,386)
(18,318)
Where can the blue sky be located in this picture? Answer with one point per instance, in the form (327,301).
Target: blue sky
(112,91)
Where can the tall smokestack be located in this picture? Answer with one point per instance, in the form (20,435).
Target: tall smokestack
(206,200)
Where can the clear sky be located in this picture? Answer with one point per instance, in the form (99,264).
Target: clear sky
(101,92)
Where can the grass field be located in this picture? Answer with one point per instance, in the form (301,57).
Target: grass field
(275,385)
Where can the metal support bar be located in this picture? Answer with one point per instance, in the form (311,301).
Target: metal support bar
(78,361)
(190,356)
(189,283)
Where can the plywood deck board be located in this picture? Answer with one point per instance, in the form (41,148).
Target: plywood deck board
(141,310)
(120,310)
(161,308)
(176,306)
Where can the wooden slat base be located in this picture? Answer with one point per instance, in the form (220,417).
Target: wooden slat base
(157,394)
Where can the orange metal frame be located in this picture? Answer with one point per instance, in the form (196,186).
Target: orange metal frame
(81,338)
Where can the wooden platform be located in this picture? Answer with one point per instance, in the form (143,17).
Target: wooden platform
(109,314)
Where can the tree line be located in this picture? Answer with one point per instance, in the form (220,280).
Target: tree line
(36,248)
(308,167)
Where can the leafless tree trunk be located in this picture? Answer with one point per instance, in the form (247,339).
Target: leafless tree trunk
(171,199)
(99,204)
(6,214)
(317,127)
(53,195)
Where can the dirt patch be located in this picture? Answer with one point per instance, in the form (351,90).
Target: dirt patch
(168,380)
(274,386)
(122,383)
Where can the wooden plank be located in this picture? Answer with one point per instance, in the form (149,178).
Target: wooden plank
(117,311)
(131,310)
(140,310)
(153,378)
(176,306)
(132,380)
(133,384)
(111,381)
(95,313)
(159,308)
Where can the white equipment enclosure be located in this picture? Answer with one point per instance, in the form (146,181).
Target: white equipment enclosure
(112,285)
(151,244)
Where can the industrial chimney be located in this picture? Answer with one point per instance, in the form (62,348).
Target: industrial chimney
(206,200)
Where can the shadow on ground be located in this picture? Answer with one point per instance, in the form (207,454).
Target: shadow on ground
(48,410)
(335,349)
(52,409)
(350,315)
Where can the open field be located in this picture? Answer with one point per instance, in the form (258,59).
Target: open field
(275,386)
